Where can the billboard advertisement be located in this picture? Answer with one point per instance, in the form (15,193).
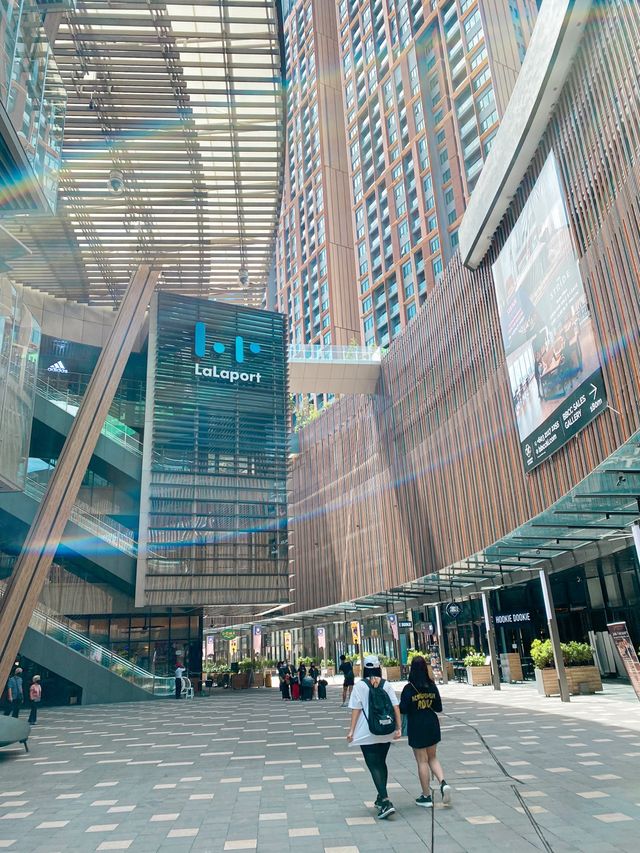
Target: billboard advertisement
(554,369)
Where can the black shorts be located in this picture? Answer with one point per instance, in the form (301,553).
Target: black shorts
(349,682)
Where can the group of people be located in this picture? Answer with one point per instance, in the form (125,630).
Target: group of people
(376,721)
(14,696)
(301,683)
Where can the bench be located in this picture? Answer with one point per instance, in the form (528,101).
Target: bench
(14,731)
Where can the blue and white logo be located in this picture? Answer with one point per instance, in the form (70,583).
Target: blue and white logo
(214,372)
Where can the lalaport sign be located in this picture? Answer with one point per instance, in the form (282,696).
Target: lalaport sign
(238,352)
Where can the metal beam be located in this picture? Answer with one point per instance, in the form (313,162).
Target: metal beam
(39,548)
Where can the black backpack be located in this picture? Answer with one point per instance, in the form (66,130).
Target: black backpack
(382,718)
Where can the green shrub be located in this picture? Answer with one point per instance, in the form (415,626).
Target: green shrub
(414,653)
(353,658)
(573,654)
(475,659)
(327,662)
(387,661)
(577,654)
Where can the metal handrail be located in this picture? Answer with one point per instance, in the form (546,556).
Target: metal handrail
(66,399)
(59,628)
(82,515)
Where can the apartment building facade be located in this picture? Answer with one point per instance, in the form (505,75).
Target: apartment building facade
(421,90)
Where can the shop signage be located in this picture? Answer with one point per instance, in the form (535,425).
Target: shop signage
(228,634)
(405,624)
(553,363)
(216,372)
(453,610)
(620,636)
(520,617)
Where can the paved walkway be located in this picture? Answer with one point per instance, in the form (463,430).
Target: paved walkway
(247,771)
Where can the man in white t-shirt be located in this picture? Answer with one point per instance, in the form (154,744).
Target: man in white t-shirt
(180,670)
(374,747)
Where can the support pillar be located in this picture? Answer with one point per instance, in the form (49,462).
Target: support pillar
(32,566)
(443,660)
(554,636)
(491,641)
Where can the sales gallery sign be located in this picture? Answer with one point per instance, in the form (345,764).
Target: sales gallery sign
(553,363)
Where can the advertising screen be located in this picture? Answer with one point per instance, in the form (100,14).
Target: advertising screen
(552,359)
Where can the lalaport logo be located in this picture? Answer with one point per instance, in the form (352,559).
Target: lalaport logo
(214,372)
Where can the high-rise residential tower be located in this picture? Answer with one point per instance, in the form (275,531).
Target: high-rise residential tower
(315,264)
(422,88)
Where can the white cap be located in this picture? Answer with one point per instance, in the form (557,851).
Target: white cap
(371,661)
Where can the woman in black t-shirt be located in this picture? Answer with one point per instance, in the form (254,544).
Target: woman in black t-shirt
(420,701)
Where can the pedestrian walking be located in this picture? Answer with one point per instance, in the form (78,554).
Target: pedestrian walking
(180,670)
(14,694)
(346,668)
(421,702)
(285,679)
(35,696)
(375,723)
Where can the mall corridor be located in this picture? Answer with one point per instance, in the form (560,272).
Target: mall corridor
(246,771)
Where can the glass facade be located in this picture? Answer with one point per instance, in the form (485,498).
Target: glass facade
(19,349)
(31,90)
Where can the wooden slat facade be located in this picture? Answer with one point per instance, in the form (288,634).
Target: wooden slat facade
(429,471)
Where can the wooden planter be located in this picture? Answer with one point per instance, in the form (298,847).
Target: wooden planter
(391,673)
(267,679)
(258,679)
(450,670)
(581,679)
(330,670)
(511,667)
(479,676)
(239,681)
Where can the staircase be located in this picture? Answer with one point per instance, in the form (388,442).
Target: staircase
(51,642)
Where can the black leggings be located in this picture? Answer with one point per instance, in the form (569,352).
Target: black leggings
(375,757)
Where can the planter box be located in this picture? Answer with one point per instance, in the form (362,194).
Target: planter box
(581,679)
(511,667)
(450,670)
(258,679)
(239,681)
(479,676)
(391,673)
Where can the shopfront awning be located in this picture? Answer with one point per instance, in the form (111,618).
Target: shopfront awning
(592,520)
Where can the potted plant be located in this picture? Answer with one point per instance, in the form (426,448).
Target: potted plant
(391,668)
(328,665)
(582,675)
(478,672)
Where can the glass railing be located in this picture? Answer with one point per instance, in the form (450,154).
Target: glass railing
(69,401)
(312,352)
(60,629)
(85,516)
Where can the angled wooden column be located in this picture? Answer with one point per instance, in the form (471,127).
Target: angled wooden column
(31,567)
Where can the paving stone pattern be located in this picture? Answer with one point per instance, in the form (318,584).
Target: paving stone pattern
(247,771)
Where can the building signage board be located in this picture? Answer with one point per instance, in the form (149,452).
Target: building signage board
(404,623)
(520,617)
(453,609)
(554,369)
(620,636)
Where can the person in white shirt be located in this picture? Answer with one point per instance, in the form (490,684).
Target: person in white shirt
(374,747)
(180,670)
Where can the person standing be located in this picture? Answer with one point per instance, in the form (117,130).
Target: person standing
(314,672)
(35,696)
(420,701)
(180,670)
(346,668)
(375,747)
(14,694)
